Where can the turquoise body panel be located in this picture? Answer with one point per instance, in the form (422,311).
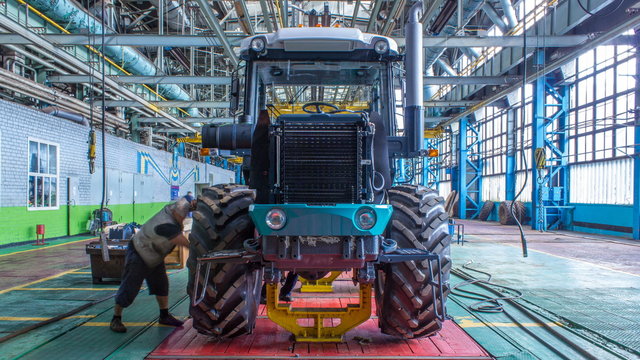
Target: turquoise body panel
(318,220)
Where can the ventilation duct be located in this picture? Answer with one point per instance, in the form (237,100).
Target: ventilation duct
(80,21)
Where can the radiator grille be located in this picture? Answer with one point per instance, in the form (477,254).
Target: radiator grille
(320,162)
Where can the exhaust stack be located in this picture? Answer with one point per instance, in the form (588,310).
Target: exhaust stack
(414,112)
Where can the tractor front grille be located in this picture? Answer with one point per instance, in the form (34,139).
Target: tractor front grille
(320,162)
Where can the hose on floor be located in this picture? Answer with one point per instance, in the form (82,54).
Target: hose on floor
(494,305)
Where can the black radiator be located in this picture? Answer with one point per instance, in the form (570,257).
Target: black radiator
(320,159)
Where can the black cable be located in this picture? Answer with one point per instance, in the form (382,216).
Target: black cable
(523,239)
(592,14)
(103,119)
(487,285)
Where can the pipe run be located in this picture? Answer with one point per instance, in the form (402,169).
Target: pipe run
(64,114)
(78,20)
(469,9)
(414,114)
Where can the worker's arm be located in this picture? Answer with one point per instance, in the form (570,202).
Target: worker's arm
(180,240)
(173,232)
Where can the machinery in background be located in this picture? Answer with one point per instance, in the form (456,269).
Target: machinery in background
(107,255)
(100,219)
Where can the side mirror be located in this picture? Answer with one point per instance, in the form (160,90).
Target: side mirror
(235,95)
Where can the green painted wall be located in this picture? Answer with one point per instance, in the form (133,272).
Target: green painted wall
(19,224)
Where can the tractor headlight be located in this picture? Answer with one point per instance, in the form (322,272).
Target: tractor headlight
(381,47)
(257,44)
(276,219)
(366,218)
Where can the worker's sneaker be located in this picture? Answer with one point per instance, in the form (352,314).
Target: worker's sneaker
(169,320)
(286,298)
(117,325)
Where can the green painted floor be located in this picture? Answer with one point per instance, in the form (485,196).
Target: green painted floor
(592,305)
(84,335)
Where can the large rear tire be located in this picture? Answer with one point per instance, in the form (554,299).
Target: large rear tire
(221,222)
(404,298)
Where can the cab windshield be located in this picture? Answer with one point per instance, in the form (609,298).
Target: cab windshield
(351,85)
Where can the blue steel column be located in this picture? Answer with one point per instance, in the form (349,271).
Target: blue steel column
(469,169)
(550,195)
(510,178)
(538,134)
(461,177)
(636,152)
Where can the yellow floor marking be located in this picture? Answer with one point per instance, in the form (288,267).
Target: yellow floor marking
(18,318)
(82,272)
(66,289)
(472,324)
(39,281)
(48,247)
(579,260)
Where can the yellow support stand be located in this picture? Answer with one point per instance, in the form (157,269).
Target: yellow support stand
(321,285)
(320,322)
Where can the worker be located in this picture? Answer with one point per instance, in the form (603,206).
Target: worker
(145,261)
(189,196)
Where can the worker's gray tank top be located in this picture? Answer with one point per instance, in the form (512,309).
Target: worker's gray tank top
(153,248)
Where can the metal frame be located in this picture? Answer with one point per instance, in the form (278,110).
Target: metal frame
(469,171)
(430,165)
(550,187)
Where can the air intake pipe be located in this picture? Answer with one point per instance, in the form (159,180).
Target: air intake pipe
(413,111)
(227,137)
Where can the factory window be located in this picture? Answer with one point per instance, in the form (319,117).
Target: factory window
(42,184)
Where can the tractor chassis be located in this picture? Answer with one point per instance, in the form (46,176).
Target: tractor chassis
(322,324)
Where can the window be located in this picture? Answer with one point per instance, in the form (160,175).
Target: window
(43,175)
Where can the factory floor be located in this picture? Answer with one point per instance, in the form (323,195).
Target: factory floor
(574,297)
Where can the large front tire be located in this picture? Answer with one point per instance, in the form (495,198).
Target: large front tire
(221,222)
(405,303)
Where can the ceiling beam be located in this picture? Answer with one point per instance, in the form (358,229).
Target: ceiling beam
(61,54)
(551,66)
(171,103)
(445,103)
(504,41)
(190,120)
(173,130)
(471,80)
(137,79)
(214,24)
(126,40)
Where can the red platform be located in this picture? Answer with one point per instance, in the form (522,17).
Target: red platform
(269,341)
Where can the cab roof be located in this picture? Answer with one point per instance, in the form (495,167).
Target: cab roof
(320,39)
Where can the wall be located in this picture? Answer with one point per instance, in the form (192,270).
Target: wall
(139,178)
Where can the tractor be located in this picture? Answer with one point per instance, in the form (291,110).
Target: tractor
(325,113)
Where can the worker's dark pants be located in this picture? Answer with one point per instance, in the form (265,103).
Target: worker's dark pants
(135,271)
(289,284)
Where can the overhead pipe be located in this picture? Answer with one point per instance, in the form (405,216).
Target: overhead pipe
(470,52)
(494,17)
(65,114)
(509,13)
(469,9)
(175,14)
(132,60)
(446,67)
(413,112)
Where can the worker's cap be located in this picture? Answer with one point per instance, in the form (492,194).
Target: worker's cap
(181,207)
